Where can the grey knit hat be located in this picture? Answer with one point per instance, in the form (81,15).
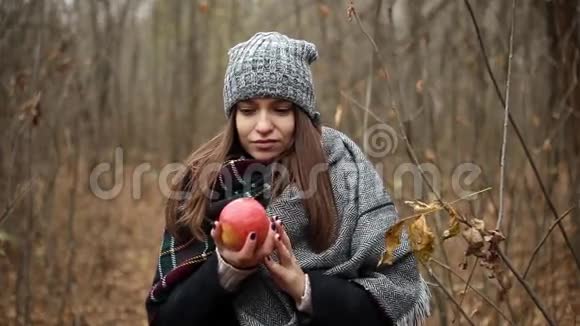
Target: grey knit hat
(271,65)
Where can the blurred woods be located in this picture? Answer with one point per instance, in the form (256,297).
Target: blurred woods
(80,79)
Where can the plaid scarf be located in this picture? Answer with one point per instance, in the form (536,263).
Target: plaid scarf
(365,212)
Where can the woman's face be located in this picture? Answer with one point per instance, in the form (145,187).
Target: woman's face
(265,126)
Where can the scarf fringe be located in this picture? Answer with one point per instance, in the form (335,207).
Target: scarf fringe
(421,311)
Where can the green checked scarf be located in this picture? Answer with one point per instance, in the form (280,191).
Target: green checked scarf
(365,212)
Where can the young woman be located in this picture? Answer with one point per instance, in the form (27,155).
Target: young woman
(329,212)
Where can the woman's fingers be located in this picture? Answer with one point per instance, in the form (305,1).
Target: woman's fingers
(284,236)
(286,257)
(249,249)
(268,245)
(277,239)
(273,267)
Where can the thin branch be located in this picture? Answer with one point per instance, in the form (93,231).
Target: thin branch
(369,83)
(506,117)
(427,212)
(520,137)
(403,135)
(479,293)
(362,107)
(449,295)
(14,202)
(368,102)
(541,243)
(467,285)
(552,133)
(527,287)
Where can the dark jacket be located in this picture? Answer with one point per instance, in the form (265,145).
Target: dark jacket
(201,300)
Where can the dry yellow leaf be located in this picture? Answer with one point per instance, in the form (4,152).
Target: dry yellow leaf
(421,239)
(421,207)
(453,229)
(474,240)
(478,224)
(473,237)
(392,241)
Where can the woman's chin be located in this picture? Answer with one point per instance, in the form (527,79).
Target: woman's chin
(263,156)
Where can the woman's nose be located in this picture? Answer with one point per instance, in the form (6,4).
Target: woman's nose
(264,124)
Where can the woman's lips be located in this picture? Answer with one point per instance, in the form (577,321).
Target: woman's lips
(265,146)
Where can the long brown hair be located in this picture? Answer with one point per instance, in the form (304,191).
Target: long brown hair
(188,212)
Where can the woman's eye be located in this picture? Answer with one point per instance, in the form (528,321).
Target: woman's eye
(283,109)
(247,111)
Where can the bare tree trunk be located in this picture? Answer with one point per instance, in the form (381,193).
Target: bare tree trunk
(174,91)
(73,153)
(24,289)
(563,20)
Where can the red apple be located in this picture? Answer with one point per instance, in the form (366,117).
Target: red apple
(239,218)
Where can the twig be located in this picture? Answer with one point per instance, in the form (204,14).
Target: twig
(527,287)
(429,211)
(449,295)
(366,116)
(520,137)
(467,286)
(12,204)
(372,57)
(552,133)
(362,107)
(541,243)
(474,289)
(379,119)
(403,135)
(506,117)
(369,84)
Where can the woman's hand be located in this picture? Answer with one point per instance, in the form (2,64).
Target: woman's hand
(251,254)
(287,273)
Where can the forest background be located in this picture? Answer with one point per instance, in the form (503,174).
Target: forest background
(99,99)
